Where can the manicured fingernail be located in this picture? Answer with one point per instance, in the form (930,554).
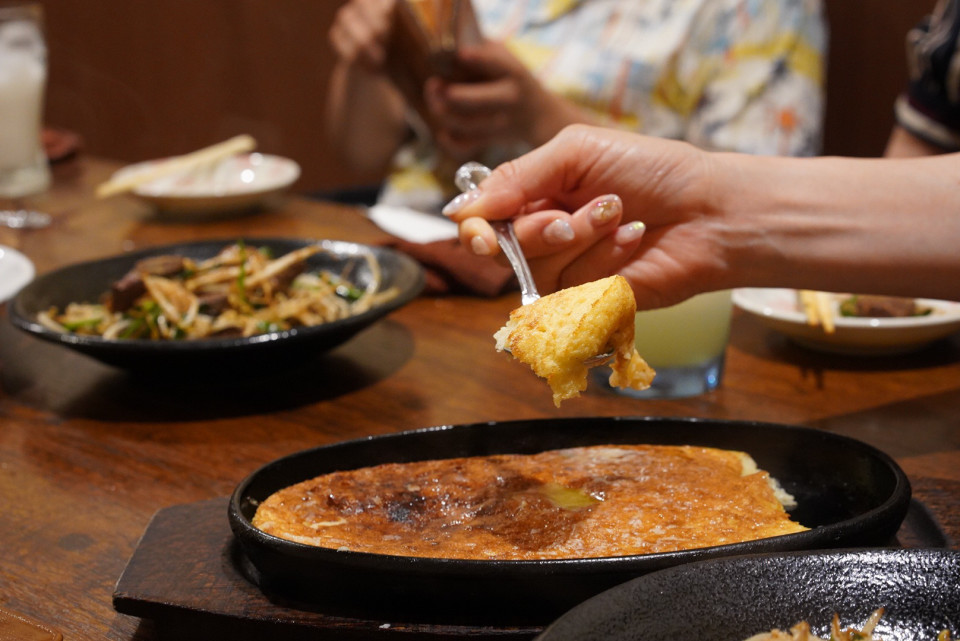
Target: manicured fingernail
(606,209)
(479,246)
(461,201)
(630,232)
(559,231)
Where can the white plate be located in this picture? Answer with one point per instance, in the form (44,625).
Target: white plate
(16,270)
(238,183)
(779,309)
(412,225)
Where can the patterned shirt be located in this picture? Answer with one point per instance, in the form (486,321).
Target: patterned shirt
(734,75)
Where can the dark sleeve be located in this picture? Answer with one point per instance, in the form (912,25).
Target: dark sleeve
(930,106)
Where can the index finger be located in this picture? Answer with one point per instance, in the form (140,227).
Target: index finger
(551,173)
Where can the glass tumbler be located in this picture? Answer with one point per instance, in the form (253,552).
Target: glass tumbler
(23,75)
(685,344)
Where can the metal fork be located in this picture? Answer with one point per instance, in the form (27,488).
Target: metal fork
(468,177)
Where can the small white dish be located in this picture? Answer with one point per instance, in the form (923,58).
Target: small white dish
(411,225)
(16,270)
(235,184)
(779,309)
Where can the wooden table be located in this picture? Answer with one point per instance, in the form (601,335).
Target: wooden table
(89,454)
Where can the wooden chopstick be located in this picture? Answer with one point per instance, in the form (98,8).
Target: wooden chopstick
(193,160)
(809,308)
(826,314)
(816,306)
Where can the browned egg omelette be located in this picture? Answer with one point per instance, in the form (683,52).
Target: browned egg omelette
(605,500)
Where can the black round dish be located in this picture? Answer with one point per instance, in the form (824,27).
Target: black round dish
(849,493)
(87,282)
(735,598)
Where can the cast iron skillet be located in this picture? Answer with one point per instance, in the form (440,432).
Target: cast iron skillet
(849,493)
(88,281)
(734,598)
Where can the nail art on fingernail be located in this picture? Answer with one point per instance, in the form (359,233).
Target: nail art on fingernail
(559,231)
(460,202)
(606,209)
(479,246)
(630,232)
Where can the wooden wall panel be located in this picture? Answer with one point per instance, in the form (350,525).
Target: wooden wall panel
(866,71)
(140,79)
(145,78)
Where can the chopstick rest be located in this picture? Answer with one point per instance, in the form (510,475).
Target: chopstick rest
(187,162)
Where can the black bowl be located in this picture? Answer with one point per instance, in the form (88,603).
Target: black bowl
(87,282)
(849,493)
(732,599)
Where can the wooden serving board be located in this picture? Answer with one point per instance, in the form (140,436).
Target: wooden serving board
(185,576)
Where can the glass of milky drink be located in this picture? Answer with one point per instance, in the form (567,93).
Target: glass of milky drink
(685,344)
(23,75)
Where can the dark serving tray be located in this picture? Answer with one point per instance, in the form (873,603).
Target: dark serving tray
(849,494)
(184,578)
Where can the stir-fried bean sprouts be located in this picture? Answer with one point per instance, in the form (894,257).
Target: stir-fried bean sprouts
(801,632)
(242,291)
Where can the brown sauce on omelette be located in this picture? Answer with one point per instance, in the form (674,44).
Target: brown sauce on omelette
(571,503)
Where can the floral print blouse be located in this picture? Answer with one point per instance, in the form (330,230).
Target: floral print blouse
(735,75)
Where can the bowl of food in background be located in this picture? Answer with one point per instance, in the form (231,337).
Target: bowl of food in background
(851,324)
(235,184)
(208,305)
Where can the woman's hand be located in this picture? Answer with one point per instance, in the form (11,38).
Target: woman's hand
(666,185)
(495,99)
(360,31)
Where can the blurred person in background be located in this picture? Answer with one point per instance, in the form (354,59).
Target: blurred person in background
(928,111)
(736,75)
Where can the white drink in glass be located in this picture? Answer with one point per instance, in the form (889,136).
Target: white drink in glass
(23,75)
(688,334)
(685,344)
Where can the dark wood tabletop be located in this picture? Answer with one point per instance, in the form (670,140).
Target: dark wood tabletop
(89,454)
